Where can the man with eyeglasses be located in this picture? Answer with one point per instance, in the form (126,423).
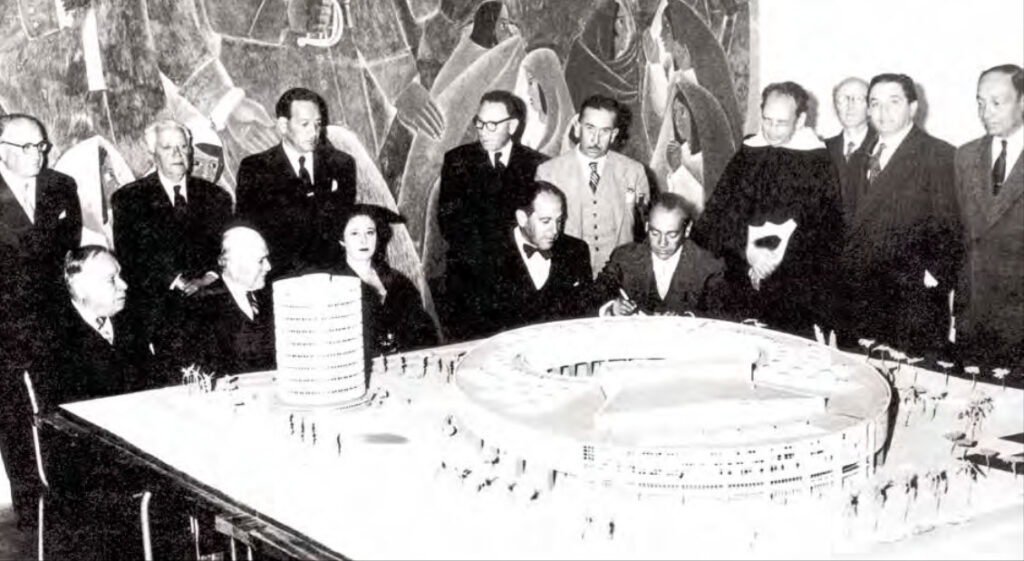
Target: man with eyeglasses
(848,149)
(167,229)
(482,184)
(40,220)
(602,187)
(666,274)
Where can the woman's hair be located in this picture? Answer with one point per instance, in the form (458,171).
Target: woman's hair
(382,219)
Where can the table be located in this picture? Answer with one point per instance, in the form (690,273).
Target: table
(397,486)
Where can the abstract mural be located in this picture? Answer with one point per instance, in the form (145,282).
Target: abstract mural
(402,79)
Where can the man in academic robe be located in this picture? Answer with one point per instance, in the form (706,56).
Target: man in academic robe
(666,274)
(230,325)
(990,187)
(482,185)
(848,149)
(167,227)
(775,219)
(602,187)
(904,241)
(291,191)
(40,220)
(539,275)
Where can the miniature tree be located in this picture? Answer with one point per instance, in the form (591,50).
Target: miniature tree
(973,371)
(975,413)
(1000,374)
(945,368)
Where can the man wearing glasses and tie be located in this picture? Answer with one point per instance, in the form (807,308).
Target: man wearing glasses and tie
(40,220)
(482,184)
(848,148)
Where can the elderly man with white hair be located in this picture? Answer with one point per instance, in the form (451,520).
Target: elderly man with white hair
(166,230)
(230,327)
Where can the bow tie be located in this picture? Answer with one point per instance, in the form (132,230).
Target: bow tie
(531,249)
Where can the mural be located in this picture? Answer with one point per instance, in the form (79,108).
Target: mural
(402,79)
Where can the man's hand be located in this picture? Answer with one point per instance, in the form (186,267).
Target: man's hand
(417,111)
(191,286)
(623,307)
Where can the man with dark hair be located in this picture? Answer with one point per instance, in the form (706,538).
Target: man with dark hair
(990,182)
(538,274)
(291,191)
(849,148)
(166,228)
(482,185)
(40,220)
(904,244)
(775,218)
(666,273)
(602,187)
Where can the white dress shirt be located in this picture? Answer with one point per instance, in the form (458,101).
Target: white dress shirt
(664,269)
(107,331)
(24,191)
(1014,145)
(169,187)
(585,164)
(504,153)
(241,296)
(539,268)
(891,144)
(856,140)
(293,158)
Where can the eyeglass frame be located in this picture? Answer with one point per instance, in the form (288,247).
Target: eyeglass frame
(43,146)
(491,126)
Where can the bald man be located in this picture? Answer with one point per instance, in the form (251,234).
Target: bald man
(230,326)
(848,149)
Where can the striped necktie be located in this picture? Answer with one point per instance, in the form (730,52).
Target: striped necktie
(594,177)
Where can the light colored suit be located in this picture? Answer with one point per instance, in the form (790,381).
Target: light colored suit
(991,321)
(605,219)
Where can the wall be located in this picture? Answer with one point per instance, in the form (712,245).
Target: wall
(942,44)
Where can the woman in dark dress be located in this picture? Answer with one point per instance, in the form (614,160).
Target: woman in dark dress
(393,316)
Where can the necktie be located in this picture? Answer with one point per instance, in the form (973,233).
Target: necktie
(251,296)
(304,173)
(105,329)
(179,199)
(531,249)
(875,163)
(497,162)
(849,150)
(594,177)
(999,171)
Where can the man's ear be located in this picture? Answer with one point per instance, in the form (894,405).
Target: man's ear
(576,127)
(615,134)
(521,217)
(513,127)
(913,110)
(801,120)
(282,125)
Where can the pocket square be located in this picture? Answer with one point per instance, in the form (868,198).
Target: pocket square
(334,185)
(63,215)
(309,193)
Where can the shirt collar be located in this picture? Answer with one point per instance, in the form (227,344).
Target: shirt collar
(294,155)
(894,141)
(16,183)
(88,315)
(1014,143)
(857,140)
(168,186)
(585,161)
(669,263)
(505,151)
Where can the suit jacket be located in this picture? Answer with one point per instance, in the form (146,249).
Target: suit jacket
(513,301)
(32,258)
(296,222)
(155,243)
(847,169)
(219,337)
(476,206)
(83,365)
(905,223)
(623,182)
(697,284)
(991,293)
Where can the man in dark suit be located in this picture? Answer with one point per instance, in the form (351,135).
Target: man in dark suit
(166,229)
(482,184)
(904,244)
(665,274)
(849,148)
(230,326)
(539,274)
(990,184)
(40,220)
(291,191)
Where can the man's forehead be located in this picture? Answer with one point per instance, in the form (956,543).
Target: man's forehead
(547,204)
(101,265)
(22,129)
(598,117)
(493,109)
(664,219)
(887,90)
(303,109)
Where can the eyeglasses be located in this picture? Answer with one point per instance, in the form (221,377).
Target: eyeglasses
(489,125)
(43,146)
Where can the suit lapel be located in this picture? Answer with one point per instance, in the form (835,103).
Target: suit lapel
(1012,190)
(11,211)
(880,192)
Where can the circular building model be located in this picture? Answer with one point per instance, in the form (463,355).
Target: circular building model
(675,405)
